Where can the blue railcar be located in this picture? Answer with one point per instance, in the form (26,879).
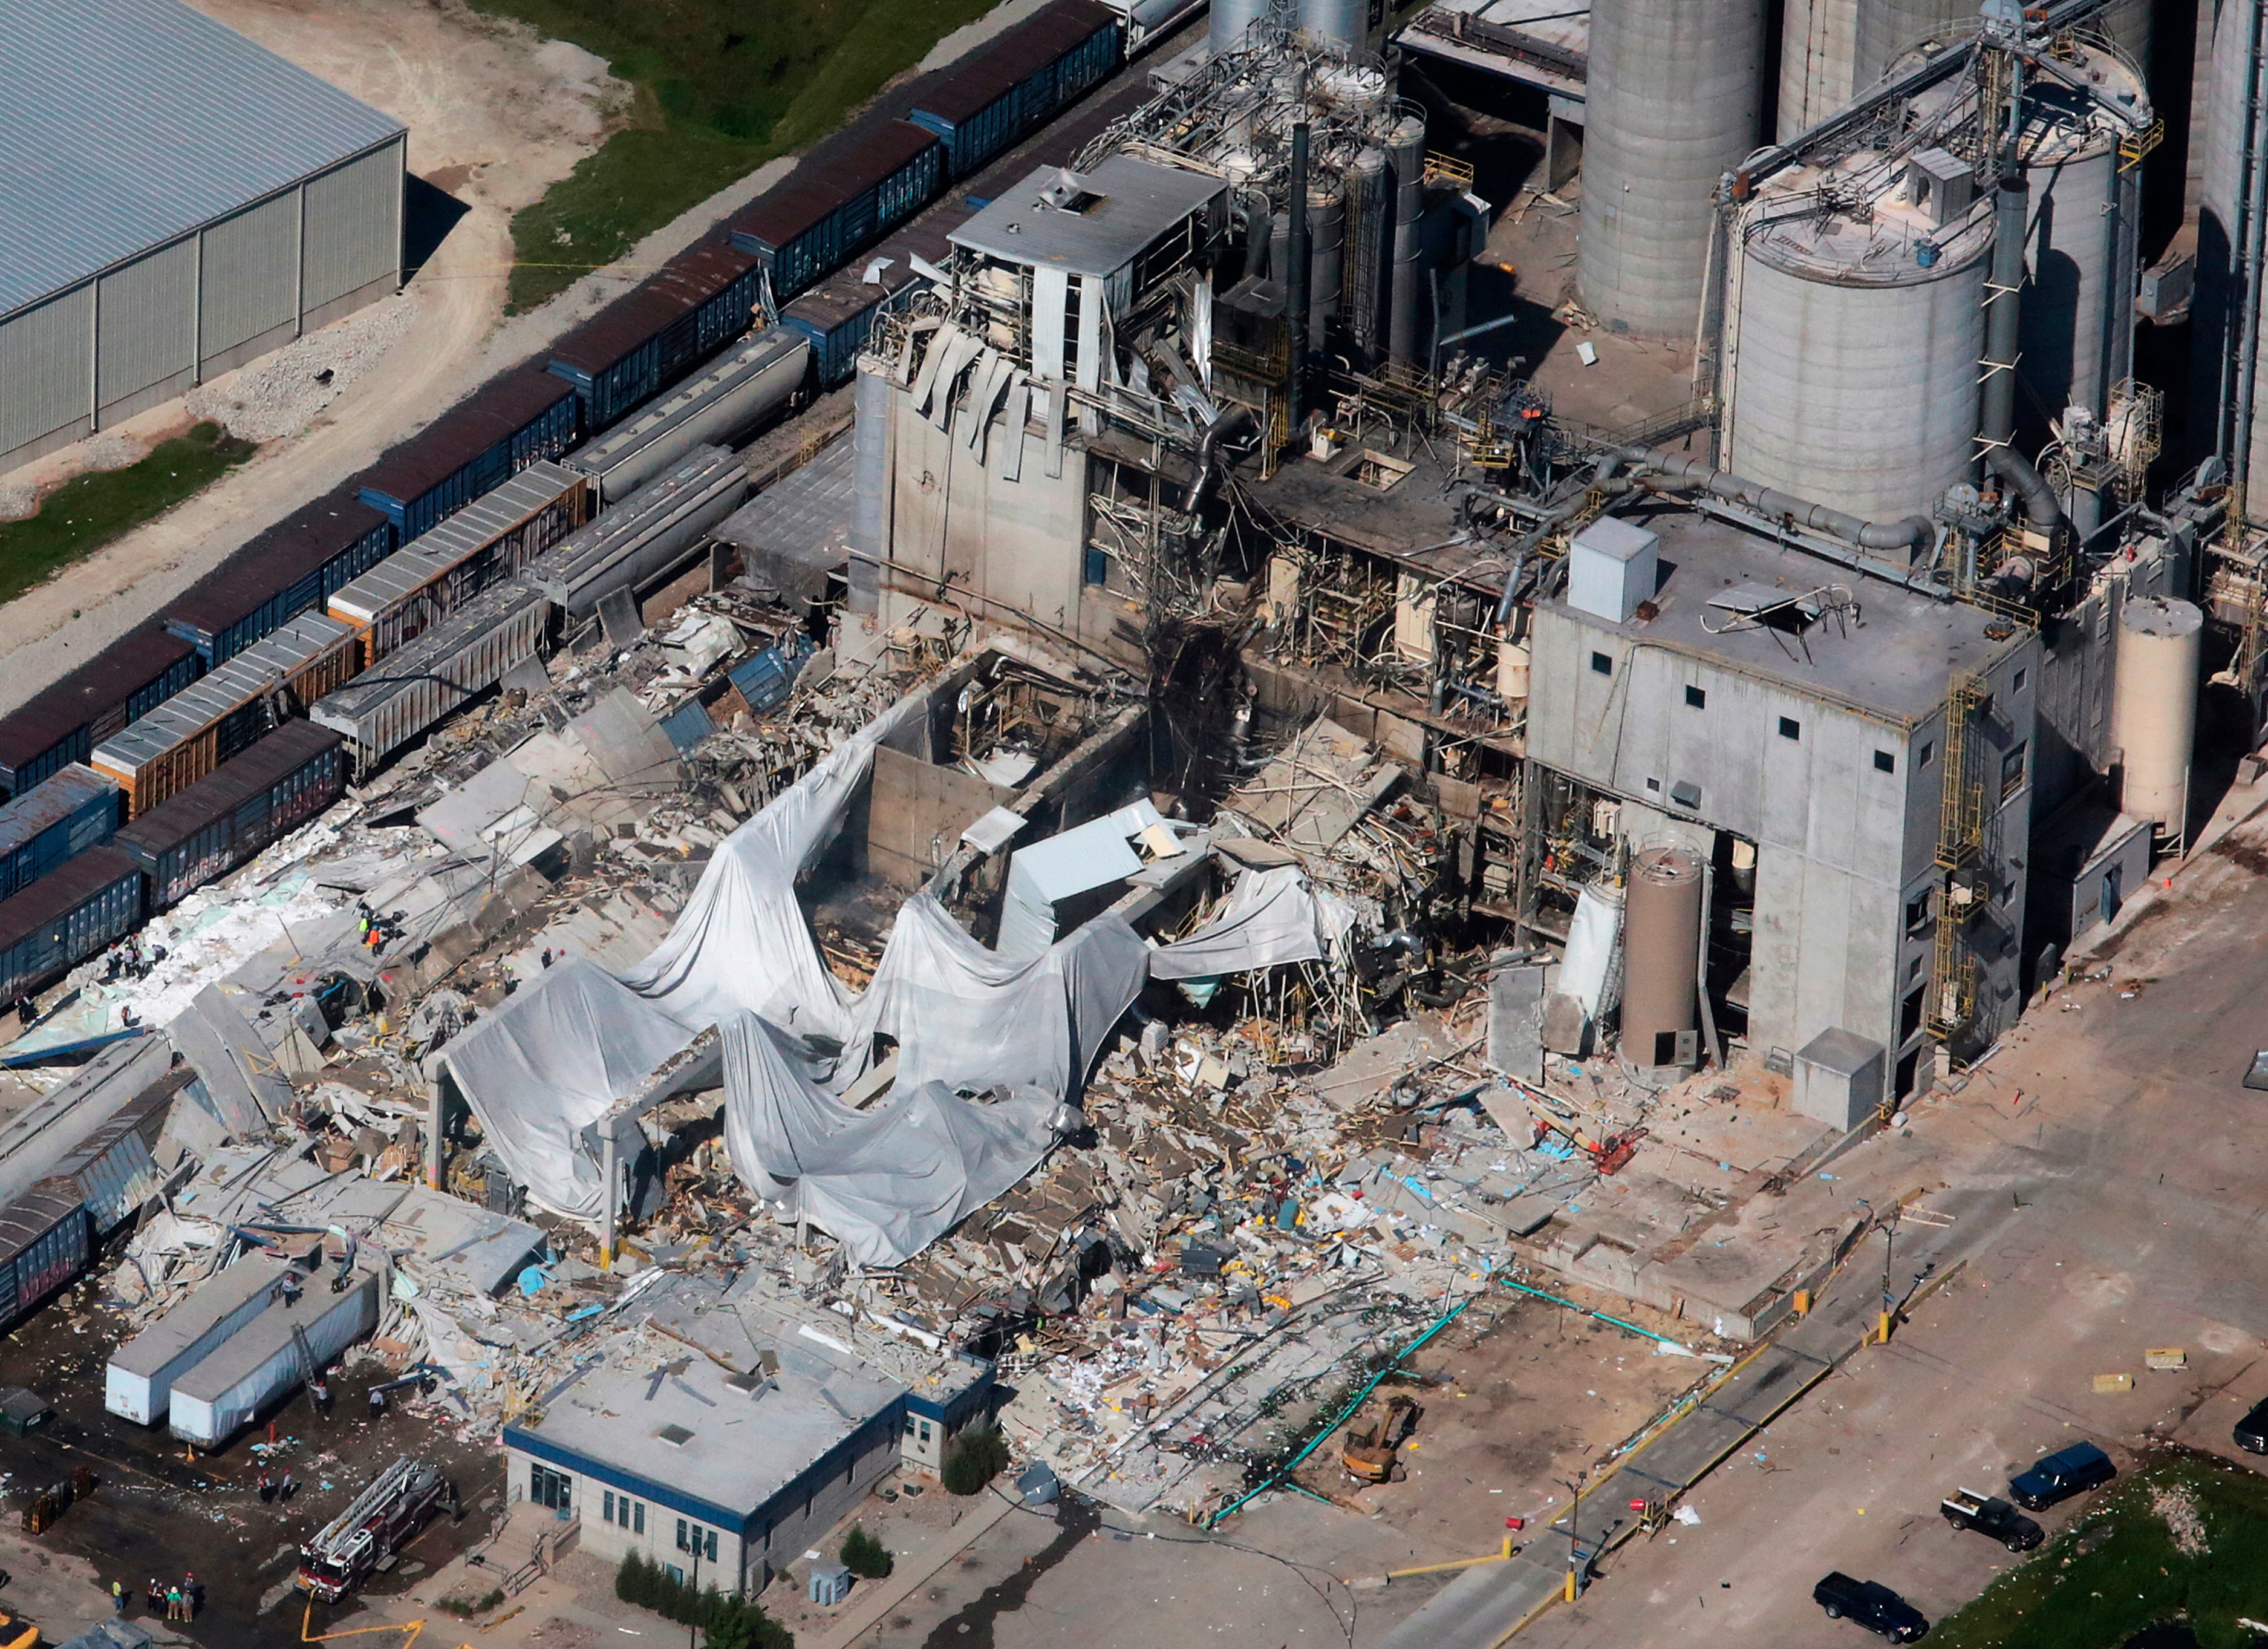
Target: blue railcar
(292,568)
(1003,90)
(520,418)
(61,724)
(842,195)
(54,822)
(647,340)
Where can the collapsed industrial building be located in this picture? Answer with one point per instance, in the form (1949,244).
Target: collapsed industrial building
(1209,822)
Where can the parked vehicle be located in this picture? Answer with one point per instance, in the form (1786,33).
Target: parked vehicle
(1967,1509)
(1870,1604)
(2058,1476)
(363,1539)
(2252,1430)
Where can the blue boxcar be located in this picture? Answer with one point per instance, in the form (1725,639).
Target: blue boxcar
(46,1238)
(499,430)
(838,314)
(844,194)
(645,341)
(66,916)
(120,685)
(55,821)
(1002,91)
(292,568)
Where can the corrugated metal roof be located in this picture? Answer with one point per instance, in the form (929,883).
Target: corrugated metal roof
(235,684)
(456,540)
(124,124)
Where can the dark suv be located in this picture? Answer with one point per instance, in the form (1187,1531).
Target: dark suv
(2059,1476)
(2252,1430)
(1872,1605)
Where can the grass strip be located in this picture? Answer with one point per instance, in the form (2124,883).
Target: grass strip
(2127,1566)
(721,87)
(90,511)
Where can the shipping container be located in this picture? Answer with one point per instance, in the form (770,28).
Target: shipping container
(733,397)
(1017,81)
(193,733)
(648,339)
(62,724)
(633,543)
(66,916)
(55,821)
(848,190)
(138,1383)
(290,569)
(482,544)
(217,1396)
(413,688)
(838,314)
(228,816)
(520,418)
(45,1243)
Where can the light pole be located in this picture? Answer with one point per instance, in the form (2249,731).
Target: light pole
(695,1612)
(1574,1541)
(1889,1243)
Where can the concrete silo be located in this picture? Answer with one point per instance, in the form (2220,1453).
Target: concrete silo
(2153,710)
(1853,344)
(1675,99)
(1662,963)
(1888,28)
(2217,313)
(1818,63)
(1228,20)
(1342,22)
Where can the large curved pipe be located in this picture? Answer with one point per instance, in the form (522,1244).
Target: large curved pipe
(1913,533)
(2042,508)
(1233,422)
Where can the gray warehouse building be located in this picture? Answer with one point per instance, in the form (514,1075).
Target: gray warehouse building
(175,201)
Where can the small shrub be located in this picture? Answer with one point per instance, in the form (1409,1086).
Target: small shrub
(976,1458)
(864,1555)
(634,1580)
(464,1608)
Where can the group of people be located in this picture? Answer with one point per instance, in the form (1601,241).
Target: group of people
(377,930)
(127,960)
(272,1490)
(181,1602)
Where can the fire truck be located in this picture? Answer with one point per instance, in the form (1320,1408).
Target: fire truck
(361,1540)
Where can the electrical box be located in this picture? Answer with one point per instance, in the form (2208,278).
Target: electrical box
(1612,566)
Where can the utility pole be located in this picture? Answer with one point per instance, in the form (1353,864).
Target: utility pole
(1574,1540)
(1889,1243)
(697,1583)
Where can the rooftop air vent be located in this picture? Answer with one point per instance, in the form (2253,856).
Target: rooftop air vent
(675,1435)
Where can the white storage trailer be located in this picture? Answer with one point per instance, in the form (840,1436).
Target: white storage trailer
(139,1382)
(265,1359)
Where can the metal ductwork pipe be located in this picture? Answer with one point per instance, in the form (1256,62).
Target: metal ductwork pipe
(2042,508)
(2003,316)
(1296,271)
(1235,421)
(1913,534)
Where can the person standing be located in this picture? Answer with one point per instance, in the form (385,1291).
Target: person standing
(267,1488)
(286,1489)
(172,1602)
(117,1596)
(154,1595)
(189,1597)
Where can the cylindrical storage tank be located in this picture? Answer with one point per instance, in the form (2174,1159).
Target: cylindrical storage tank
(1342,22)
(1887,28)
(1405,160)
(1818,58)
(1662,958)
(1853,364)
(1229,20)
(2126,24)
(2216,313)
(2153,709)
(1512,668)
(1326,253)
(2079,238)
(1675,99)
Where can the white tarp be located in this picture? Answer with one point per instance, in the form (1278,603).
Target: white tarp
(1272,916)
(887,1182)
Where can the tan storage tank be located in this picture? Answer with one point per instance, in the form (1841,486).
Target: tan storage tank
(2153,710)
(1662,959)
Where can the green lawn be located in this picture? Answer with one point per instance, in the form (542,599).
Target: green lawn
(722,86)
(82,515)
(2118,1570)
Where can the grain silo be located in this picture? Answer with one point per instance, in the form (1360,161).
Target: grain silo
(1852,334)
(1344,22)
(2153,710)
(1675,99)
(1818,63)
(2085,220)
(1226,26)
(2217,313)
(1888,28)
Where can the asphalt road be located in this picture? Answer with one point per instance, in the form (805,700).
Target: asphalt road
(2137,1173)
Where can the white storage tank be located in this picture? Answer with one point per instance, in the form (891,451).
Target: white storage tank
(138,1383)
(1228,20)
(2153,710)
(1851,347)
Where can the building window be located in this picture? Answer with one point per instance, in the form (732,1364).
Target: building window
(684,1540)
(1928,751)
(1885,763)
(1096,567)
(909,1425)
(607,1509)
(2012,772)
(1601,665)
(1790,728)
(637,1517)
(1653,784)
(554,1488)
(924,1434)
(1696,696)
(2017,685)
(709,1550)
(1917,911)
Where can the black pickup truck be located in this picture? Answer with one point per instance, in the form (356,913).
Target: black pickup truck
(2058,1476)
(1870,1604)
(1968,1509)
